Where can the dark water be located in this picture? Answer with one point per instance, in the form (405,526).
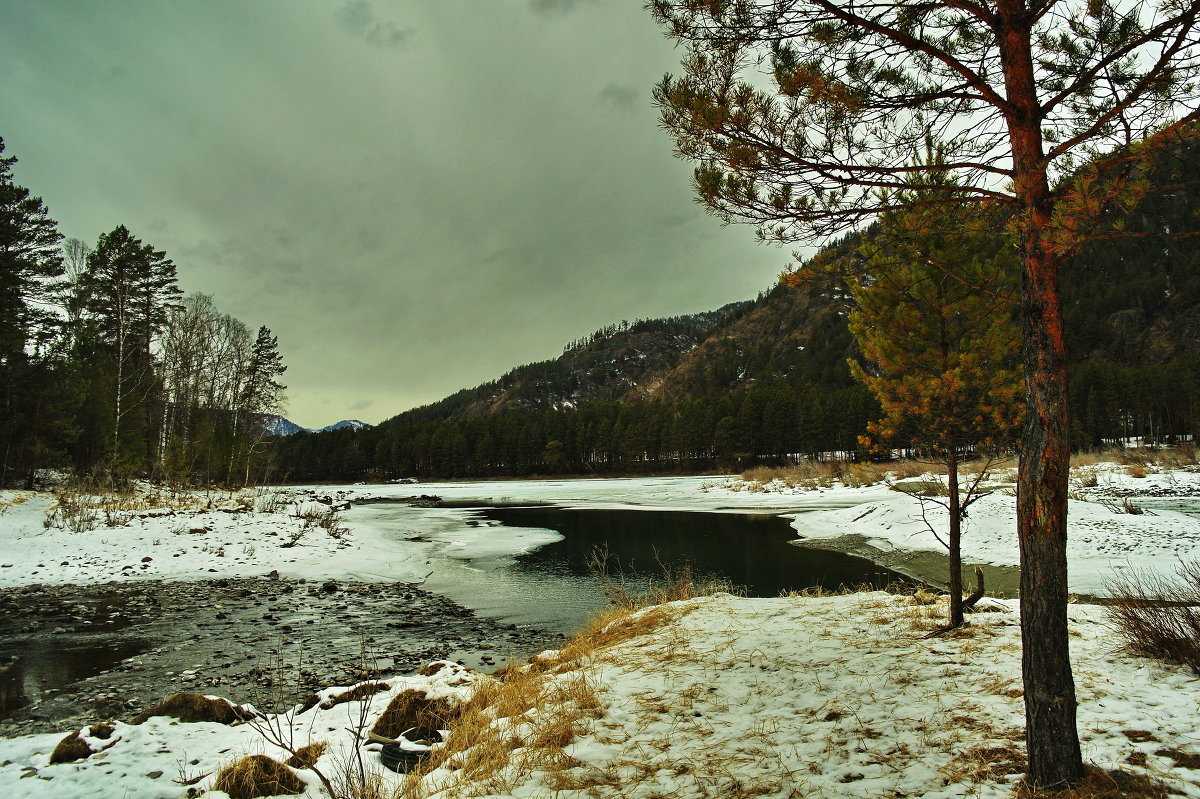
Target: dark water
(553,587)
(47,664)
(1186,505)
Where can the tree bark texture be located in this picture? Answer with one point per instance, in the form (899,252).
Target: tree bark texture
(955,539)
(1050,727)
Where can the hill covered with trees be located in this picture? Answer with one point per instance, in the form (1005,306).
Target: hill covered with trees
(768,380)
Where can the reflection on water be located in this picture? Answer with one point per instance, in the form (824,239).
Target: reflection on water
(46,663)
(553,588)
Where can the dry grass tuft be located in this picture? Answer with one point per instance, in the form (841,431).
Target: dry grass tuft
(193,708)
(361,691)
(73,747)
(412,708)
(986,764)
(255,776)
(509,729)
(307,756)
(613,627)
(1100,784)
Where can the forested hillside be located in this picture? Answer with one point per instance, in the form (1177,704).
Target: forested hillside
(768,380)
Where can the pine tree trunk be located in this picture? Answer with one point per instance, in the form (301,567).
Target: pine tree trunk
(955,586)
(1050,725)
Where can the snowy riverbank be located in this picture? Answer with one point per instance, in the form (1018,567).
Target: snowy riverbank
(819,697)
(832,696)
(251,534)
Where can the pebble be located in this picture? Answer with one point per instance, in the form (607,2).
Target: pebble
(160,623)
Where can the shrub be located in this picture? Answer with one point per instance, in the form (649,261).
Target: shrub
(1158,617)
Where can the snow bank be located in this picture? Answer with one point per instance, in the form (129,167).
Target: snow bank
(824,697)
(1101,543)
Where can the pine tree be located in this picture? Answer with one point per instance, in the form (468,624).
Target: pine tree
(1017,95)
(126,293)
(935,321)
(29,261)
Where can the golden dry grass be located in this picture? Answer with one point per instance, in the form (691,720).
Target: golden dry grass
(412,708)
(307,756)
(255,776)
(188,707)
(986,763)
(1101,784)
(522,722)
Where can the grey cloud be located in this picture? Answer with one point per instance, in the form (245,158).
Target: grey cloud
(357,17)
(555,6)
(622,96)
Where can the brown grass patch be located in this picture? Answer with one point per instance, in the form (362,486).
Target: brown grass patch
(356,693)
(1139,736)
(813,474)
(413,708)
(1182,759)
(307,756)
(1101,784)
(73,747)
(986,764)
(255,776)
(194,708)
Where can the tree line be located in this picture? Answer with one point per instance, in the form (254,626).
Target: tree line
(108,370)
(730,430)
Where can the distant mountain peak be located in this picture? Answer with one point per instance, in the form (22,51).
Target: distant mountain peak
(276,425)
(353,424)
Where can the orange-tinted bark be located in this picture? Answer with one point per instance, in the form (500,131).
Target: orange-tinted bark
(1050,719)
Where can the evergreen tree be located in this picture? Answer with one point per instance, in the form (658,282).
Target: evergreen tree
(935,321)
(126,293)
(29,261)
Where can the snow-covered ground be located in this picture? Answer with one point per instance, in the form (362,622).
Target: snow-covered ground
(253,533)
(722,696)
(832,696)
(1103,540)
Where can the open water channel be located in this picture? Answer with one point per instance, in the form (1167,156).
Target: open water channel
(71,655)
(555,586)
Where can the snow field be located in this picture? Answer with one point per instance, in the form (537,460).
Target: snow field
(836,696)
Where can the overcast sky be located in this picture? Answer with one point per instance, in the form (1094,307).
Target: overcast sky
(414,195)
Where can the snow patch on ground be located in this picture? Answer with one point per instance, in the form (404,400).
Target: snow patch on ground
(1102,541)
(823,697)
